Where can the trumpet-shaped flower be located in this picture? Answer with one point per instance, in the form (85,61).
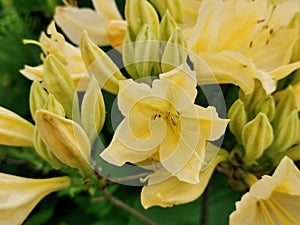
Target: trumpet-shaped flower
(271,200)
(67,54)
(18,195)
(237,41)
(165,190)
(162,124)
(14,130)
(105,25)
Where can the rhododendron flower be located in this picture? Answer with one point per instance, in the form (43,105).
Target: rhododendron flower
(236,41)
(105,25)
(162,124)
(67,54)
(271,200)
(18,195)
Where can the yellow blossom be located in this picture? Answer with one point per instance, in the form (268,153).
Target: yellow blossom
(272,199)
(163,124)
(67,54)
(237,41)
(100,23)
(166,190)
(14,130)
(18,195)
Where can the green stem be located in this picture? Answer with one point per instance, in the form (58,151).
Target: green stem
(127,208)
(205,206)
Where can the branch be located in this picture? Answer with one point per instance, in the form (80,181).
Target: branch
(127,208)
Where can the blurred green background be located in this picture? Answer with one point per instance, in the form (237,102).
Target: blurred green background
(25,19)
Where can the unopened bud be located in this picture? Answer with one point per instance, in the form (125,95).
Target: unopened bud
(66,139)
(257,135)
(238,119)
(174,6)
(147,53)
(38,97)
(266,106)
(167,27)
(139,13)
(293,153)
(44,152)
(285,134)
(128,56)
(285,106)
(52,105)
(175,52)
(100,65)
(59,83)
(92,110)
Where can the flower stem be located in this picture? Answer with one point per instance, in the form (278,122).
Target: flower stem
(127,208)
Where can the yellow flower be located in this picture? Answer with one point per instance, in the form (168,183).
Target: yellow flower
(162,124)
(104,25)
(67,54)
(18,195)
(238,40)
(165,190)
(14,130)
(272,199)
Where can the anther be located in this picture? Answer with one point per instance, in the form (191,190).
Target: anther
(265,27)
(167,114)
(262,20)
(174,120)
(250,44)
(271,31)
(267,41)
(178,112)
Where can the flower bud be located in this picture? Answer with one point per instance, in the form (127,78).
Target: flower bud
(139,13)
(59,83)
(238,119)
(293,153)
(251,100)
(14,130)
(285,134)
(146,53)
(20,195)
(38,97)
(100,65)
(44,152)
(174,6)
(284,107)
(175,52)
(92,110)
(167,27)
(66,139)
(266,106)
(257,135)
(128,56)
(52,105)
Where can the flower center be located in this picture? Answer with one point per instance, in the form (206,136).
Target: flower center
(170,115)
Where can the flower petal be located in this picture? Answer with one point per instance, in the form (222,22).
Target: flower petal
(73,21)
(14,130)
(108,8)
(171,191)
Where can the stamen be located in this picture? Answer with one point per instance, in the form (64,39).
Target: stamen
(250,44)
(268,41)
(271,31)
(265,26)
(167,114)
(178,112)
(174,120)
(155,115)
(262,20)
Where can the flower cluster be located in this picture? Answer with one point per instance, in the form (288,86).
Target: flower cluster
(166,123)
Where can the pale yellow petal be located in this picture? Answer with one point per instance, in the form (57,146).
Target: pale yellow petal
(73,21)
(33,72)
(116,30)
(285,70)
(171,191)
(277,52)
(18,195)
(108,8)
(14,130)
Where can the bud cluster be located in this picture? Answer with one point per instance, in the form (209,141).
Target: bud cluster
(266,129)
